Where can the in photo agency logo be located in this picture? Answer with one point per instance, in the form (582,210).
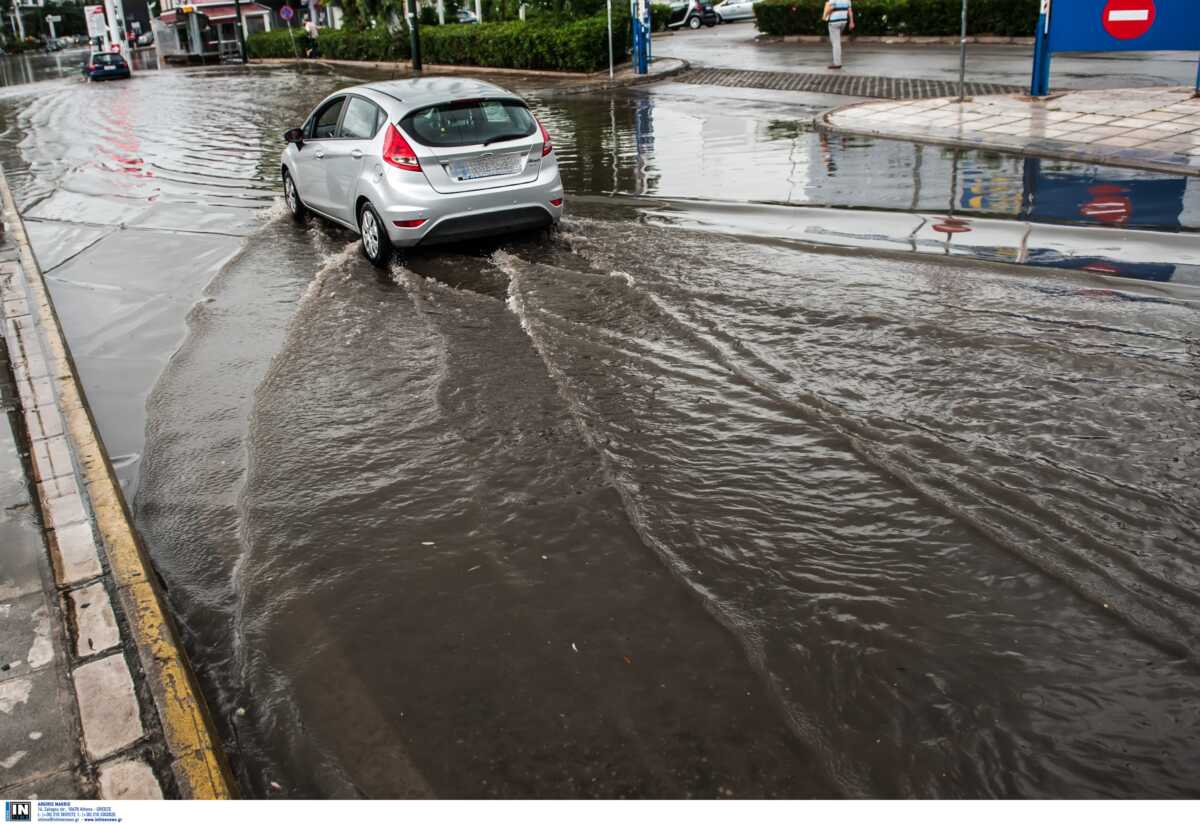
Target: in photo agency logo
(18,810)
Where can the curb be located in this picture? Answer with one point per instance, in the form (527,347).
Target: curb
(588,81)
(900,40)
(192,749)
(1043,147)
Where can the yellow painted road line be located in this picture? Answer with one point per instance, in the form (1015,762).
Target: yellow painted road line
(197,760)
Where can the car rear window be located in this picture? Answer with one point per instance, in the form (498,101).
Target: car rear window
(469,122)
(107,59)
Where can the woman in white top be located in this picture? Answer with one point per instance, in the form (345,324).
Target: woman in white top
(840,14)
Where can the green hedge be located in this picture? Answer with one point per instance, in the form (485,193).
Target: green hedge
(276,43)
(578,46)
(376,44)
(1007,18)
(659,15)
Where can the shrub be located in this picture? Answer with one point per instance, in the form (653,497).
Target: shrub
(579,46)
(660,13)
(275,43)
(377,44)
(1008,18)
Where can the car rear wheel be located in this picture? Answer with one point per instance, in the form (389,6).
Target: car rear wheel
(694,23)
(292,198)
(376,245)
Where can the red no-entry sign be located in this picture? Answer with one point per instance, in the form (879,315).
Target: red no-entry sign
(1128,19)
(1109,204)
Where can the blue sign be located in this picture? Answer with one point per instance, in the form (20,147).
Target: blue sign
(1111,25)
(1055,196)
(287,13)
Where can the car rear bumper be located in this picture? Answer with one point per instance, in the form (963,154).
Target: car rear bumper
(503,222)
(463,215)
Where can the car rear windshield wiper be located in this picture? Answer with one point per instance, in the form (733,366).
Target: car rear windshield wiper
(502,137)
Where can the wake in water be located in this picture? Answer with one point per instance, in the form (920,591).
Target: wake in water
(859,549)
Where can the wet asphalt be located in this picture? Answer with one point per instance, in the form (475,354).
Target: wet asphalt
(747,482)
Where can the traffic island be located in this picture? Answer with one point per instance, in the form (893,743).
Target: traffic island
(97,699)
(1154,129)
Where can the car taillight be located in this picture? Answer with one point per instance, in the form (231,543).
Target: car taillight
(91,67)
(547,146)
(556,202)
(409,224)
(398,153)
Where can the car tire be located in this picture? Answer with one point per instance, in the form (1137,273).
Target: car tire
(694,23)
(291,198)
(376,245)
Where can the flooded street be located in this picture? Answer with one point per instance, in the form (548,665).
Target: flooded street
(754,480)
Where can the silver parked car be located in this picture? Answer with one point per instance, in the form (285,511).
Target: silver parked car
(423,161)
(731,10)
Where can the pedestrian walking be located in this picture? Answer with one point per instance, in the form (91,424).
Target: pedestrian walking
(840,15)
(310,29)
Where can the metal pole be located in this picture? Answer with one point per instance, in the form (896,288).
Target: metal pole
(292,37)
(111,11)
(414,35)
(610,45)
(962,57)
(241,33)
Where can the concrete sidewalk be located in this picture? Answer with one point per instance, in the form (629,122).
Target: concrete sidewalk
(738,46)
(95,698)
(1151,129)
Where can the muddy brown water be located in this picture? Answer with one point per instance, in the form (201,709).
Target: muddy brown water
(644,507)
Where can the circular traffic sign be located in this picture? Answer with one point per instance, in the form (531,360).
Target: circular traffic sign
(287,13)
(1128,19)
(1109,204)
(952,226)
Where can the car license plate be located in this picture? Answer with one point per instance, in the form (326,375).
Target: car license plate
(489,166)
(109,68)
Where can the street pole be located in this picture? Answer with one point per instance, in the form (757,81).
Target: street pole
(414,35)
(110,11)
(962,57)
(241,30)
(53,35)
(610,45)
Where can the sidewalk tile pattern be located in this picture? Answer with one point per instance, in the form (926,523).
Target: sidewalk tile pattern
(888,88)
(1156,129)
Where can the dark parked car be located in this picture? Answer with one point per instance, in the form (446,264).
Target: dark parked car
(105,66)
(692,13)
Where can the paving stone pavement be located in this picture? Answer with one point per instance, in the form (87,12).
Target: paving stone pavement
(889,88)
(70,719)
(1155,129)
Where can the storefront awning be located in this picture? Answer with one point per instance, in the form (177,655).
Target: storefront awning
(217,13)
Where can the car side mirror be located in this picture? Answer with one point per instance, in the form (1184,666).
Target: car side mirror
(295,136)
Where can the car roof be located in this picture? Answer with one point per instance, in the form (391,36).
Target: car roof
(419,92)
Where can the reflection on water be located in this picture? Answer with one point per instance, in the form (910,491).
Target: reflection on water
(18,69)
(678,147)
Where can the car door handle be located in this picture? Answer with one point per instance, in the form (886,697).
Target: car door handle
(356,154)
(319,154)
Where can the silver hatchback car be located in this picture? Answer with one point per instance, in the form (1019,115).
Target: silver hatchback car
(423,161)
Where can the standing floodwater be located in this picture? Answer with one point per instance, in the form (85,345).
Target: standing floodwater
(668,503)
